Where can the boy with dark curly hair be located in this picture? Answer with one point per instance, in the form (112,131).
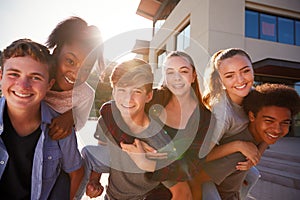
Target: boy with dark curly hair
(270,108)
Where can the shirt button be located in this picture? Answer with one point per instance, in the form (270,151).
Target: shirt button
(1,162)
(49,157)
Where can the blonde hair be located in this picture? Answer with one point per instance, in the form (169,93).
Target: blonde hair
(214,86)
(132,72)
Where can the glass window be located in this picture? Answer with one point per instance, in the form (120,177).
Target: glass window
(187,35)
(297,87)
(297,32)
(297,117)
(158,24)
(268,27)
(273,28)
(161,58)
(180,41)
(183,38)
(251,24)
(285,30)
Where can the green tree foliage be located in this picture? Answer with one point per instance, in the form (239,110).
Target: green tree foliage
(102,89)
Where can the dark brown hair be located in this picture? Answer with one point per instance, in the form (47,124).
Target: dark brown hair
(75,29)
(272,95)
(27,47)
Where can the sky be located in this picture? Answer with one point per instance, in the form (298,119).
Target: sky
(35,19)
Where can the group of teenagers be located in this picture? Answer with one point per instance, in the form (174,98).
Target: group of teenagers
(171,142)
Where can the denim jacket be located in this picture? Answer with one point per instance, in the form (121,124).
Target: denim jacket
(50,157)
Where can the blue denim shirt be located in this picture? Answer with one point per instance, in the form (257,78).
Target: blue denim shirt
(50,156)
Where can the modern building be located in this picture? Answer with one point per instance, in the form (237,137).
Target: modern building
(269,30)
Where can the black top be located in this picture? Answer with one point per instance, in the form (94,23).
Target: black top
(15,182)
(187,141)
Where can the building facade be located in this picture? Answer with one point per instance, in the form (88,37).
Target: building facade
(269,30)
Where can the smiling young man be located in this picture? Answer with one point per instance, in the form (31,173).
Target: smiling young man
(132,82)
(31,161)
(270,108)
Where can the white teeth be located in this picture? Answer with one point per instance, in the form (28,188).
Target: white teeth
(127,106)
(69,80)
(22,95)
(178,85)
(273,136)
(240,87)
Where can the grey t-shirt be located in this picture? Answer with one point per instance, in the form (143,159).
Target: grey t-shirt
(223,172)
(126,181)
(230,119)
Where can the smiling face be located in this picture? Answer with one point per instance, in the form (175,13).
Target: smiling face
(237,76)
(131,100)
(24,82)
(179,75)
(72,66)
(270,124)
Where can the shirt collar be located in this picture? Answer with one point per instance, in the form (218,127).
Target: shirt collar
(45,112)
(2,104)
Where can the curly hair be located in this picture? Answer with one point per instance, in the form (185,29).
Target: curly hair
(272,95)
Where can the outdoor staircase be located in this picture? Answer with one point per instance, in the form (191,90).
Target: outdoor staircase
(280,168)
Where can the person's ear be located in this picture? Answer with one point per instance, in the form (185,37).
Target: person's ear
(1,73)
(51,83)
(1,77)
(149,96)
(194,76)
(55,52)
(113,93)
(251,116)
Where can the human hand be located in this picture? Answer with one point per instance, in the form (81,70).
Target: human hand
(136,147)
(138,155)
(147,147)
(251,152)
(142,147)
(243,166)
(94,188)
(61,126)
(157,156)
(152,153)
(182,190)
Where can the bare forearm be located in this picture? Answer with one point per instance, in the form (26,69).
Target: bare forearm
(223,150)
(145,164)
(180,191)
(262,147)
(95,176)
(196,184)
(75,179)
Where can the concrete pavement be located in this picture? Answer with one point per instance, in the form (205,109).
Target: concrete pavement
(276,187)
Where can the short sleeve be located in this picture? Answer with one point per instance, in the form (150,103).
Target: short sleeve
(71,157)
